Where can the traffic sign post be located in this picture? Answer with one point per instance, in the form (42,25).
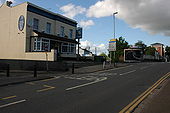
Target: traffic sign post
(112,48)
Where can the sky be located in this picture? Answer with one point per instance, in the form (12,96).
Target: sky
(145,20)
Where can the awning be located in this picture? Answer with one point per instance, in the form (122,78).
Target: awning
(54,37)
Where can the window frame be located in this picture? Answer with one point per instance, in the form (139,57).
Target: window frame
(48,28)
(39,47)
(35,21)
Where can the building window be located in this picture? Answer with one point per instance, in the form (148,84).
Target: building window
(41,44)
(48,28)
(70,33)
(65,47)
(72,48)
(68,48)
(62,31)
(35,24)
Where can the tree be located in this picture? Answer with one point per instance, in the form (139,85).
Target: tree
(140,44)
(150,51)
(104,55)
(121,44)
(167,49)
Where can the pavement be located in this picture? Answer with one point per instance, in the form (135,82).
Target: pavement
(158,101)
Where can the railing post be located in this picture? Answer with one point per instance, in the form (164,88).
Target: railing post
(7,71)
(73,68)
(35,70)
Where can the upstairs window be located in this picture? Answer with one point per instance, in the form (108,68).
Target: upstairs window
(48,28)
(62,31)
(35,24)
(70,33)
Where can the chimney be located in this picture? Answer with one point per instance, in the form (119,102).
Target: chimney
(8,3)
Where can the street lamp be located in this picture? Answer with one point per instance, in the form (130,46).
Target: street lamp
(114,18)
(114,23)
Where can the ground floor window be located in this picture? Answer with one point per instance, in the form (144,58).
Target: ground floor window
(68,48)
(41,44)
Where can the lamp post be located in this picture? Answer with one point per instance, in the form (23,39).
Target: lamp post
(114,18)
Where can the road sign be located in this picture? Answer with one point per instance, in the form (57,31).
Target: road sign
(112,45)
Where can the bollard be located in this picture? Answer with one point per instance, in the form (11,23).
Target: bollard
(35,70)
(104,64)
(7,71)
(73,68)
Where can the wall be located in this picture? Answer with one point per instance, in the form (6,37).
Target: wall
(12,41)
(40,55)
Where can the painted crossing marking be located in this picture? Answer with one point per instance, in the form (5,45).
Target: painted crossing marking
(13,103)
(128,72)
(90,83)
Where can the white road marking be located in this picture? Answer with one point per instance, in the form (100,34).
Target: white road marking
(96,81)
(117,68)
(128,72)
(55,77)
(9,104)
(144,67)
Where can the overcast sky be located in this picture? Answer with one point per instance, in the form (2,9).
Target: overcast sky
(146,20)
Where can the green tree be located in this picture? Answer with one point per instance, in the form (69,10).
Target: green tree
(121,44)
(103,54)
(150,51)
(167,49)
(140,44)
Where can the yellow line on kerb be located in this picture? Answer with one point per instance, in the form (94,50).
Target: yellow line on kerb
(5,98)
(45,89)
(130,107)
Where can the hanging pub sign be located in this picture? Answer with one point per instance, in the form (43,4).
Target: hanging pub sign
(79,33)
(112,45)
(21,22)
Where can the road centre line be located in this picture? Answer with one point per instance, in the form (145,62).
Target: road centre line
(5,98)
(117,68)
(30,83)
(90,83)
(13,103)
(45,89)
(144,67)
(128,72)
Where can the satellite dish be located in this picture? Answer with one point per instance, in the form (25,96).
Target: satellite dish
(2,2)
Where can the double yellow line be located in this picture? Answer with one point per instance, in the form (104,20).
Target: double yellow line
(130,107)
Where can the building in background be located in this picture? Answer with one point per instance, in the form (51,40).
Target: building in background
(159,48)
(29,32)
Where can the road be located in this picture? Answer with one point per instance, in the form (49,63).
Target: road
(101,92)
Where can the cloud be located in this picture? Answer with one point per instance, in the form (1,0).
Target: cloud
(149,15)
(70,10)
(100,48)
(86,24)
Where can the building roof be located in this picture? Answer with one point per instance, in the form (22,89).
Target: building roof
(156,44)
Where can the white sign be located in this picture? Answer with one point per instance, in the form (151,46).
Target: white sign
(112,45)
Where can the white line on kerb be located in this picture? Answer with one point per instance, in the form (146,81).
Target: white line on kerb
(128,72)
(98,80)
(9,104)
